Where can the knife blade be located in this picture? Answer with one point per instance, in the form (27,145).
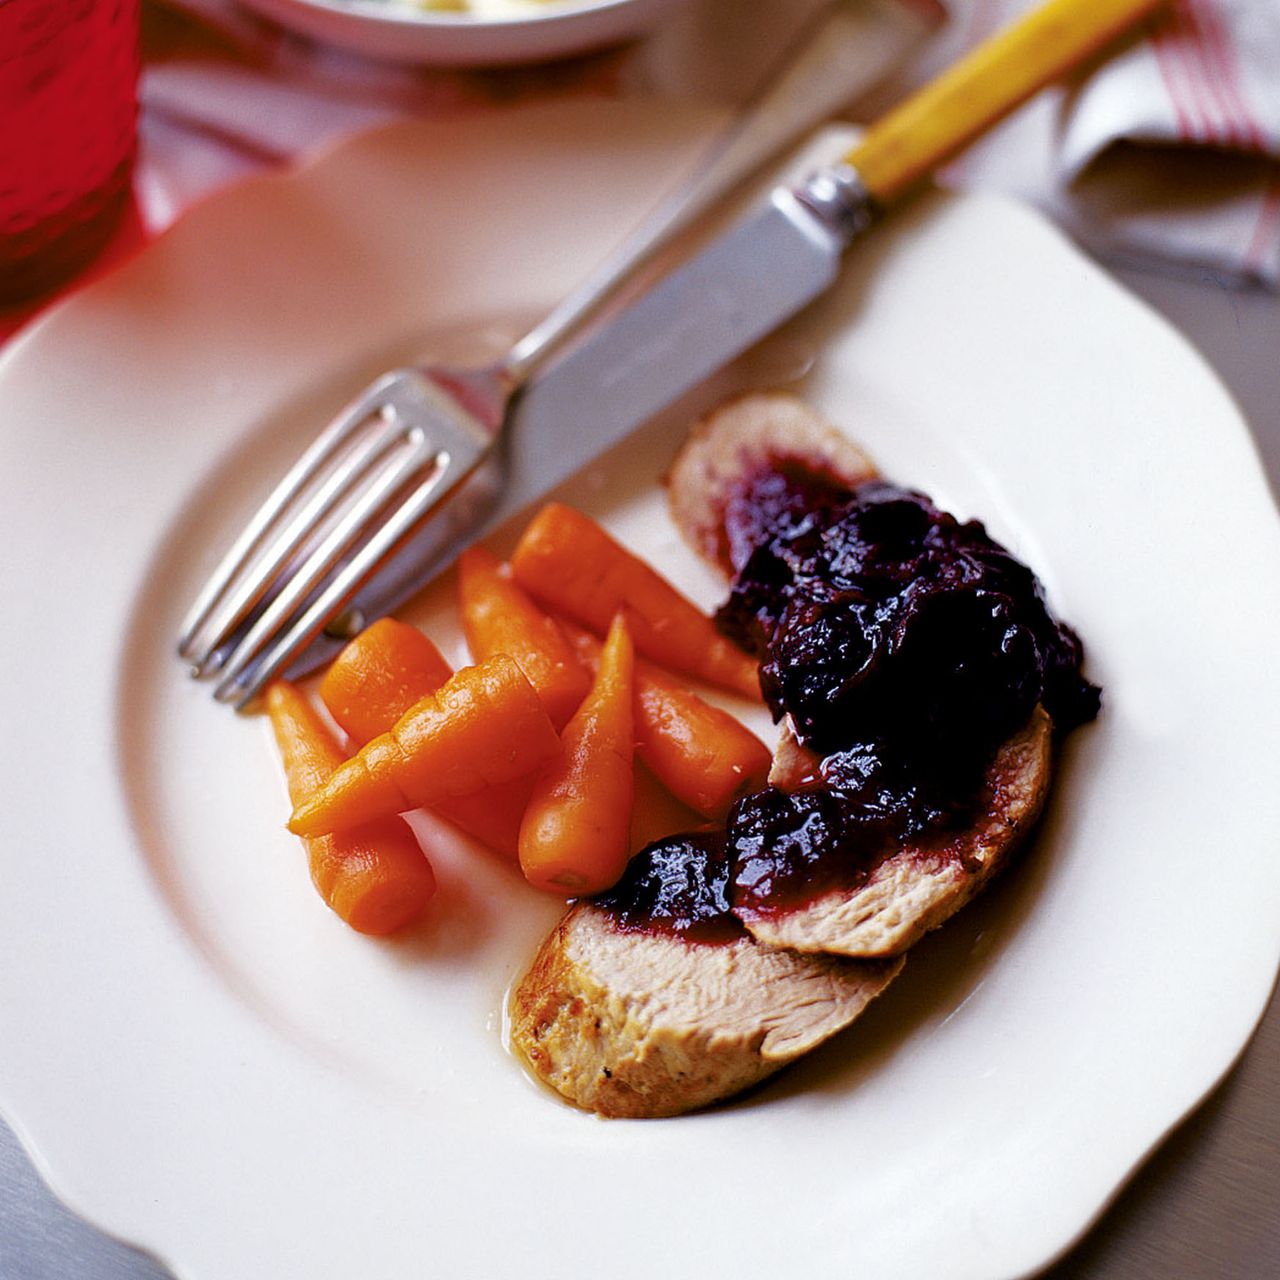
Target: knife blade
(781,254)
(779,257)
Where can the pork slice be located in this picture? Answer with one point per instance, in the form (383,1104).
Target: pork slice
(650,1024)
(916,887)
(745,434)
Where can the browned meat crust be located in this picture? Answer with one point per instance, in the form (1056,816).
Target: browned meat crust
(646,1025)
(745,434)
(917,887)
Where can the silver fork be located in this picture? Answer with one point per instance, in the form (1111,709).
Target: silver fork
(359,497)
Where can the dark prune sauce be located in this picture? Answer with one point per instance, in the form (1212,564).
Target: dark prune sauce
(906,646)
(879,618)
(788,847)
(679,886)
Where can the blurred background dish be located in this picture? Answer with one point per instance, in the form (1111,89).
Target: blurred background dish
(484,33)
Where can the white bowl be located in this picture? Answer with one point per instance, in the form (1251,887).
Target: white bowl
(396,32)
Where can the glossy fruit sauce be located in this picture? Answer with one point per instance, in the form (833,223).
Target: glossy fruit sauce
(68,108)
(906,646)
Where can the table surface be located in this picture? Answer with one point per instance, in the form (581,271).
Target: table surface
(1205,1206)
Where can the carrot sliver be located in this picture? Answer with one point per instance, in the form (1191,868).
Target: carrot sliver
(491,816)
(485,725)
(656,813)
(570,565)
(377,678)
(376,878)
(575,837)
(699,752)
(379,675)
(499,617)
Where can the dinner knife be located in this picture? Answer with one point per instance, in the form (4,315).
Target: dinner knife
(473,446)
(783,253)
(780,255)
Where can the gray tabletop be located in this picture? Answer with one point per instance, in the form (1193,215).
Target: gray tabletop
(1206,1206)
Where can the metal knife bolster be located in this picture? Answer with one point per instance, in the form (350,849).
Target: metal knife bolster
(837,197)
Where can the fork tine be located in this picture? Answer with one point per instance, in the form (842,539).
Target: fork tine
(247,589)
(321,560)
(240,685)
(357,497)
(316,457)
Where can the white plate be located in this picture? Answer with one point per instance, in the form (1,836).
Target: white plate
(394,31)
(207,1062)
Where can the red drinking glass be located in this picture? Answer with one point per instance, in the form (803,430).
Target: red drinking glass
(68,114)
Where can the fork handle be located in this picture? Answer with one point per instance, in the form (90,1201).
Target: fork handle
(939,120)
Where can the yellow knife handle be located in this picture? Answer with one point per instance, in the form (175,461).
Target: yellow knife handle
(985,86)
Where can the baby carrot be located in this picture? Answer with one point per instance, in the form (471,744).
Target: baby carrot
(376,878)
(656,813)
(575,834)
(379,676)
(375,680)
(568,563)
(498,617)
(701,754)
(492,816)
(484,725)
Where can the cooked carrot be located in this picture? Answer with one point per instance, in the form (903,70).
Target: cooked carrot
(379,676)
(700,753)
(498,617)
(491,816)
(375,680)
(376,877)
(483,726)
(569,564)
(656,813)
(575,834)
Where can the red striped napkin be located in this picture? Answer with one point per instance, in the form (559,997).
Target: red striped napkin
(1166,153)
(1172,150)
